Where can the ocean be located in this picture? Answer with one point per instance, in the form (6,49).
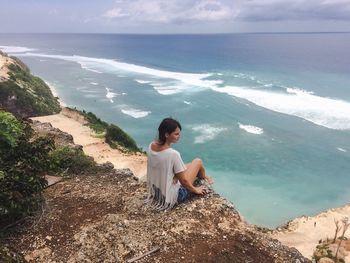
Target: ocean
(269,114)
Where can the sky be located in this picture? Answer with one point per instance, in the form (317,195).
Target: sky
(173,16)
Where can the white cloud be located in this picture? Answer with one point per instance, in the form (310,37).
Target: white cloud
(271,10)
(114,13)
(169,11)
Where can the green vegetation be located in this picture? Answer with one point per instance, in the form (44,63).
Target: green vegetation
(26,95)
(10,129)
(23,163)
(95,123)
(116,137)
(68,160)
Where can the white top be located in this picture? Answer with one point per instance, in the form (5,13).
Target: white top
(163,187)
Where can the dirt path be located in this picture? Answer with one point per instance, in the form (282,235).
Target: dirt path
(74,124)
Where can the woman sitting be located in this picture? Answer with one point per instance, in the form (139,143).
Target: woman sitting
(169,180)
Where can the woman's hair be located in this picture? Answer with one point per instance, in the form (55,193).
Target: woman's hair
(168,125)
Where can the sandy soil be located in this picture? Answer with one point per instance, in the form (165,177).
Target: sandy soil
(304,233)
(73,123)
(4,61)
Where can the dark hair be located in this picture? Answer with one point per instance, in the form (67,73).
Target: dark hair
(168,125)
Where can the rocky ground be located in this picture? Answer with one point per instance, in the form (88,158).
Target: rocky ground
(103,218)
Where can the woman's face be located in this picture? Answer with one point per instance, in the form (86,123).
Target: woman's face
(174,136)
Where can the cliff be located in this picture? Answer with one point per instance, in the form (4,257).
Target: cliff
(22,93)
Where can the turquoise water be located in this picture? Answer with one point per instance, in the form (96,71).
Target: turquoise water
(268,113)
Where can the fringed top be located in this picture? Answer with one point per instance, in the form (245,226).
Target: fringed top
(163,187)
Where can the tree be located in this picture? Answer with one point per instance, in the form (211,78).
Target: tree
(337,229)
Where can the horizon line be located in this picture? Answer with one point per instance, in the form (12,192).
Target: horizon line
(222,33)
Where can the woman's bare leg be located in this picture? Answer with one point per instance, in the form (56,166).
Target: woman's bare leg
(196,169)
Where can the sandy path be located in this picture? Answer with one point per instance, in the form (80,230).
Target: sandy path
(304,235)
(73,124)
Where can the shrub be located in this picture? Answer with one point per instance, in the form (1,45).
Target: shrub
(10,129)
(116,136)
(71,161)
(26,95)
(22,166)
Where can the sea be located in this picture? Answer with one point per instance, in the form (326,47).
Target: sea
(269,114)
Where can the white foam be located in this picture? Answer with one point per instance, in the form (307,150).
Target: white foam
(206,132)
(15,49)
(110,95)
(251,129)
(99,65)
(298,91)
(327,112)
(341,149)
(187,102)
(142,81)
(94,83)
(135,113)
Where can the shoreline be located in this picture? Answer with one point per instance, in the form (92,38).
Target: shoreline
(55,93)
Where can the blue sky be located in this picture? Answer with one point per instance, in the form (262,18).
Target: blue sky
(174,16)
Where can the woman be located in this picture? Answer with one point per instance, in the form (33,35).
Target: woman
(169,180)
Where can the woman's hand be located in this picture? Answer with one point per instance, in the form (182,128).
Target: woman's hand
(201,190)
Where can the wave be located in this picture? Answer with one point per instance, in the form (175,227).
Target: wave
(298,103)
(251,129)
(341,149)
(108,65)
(135,113)
(187,102)
(292,101)
(15,49)
(110,95)
(142,81)
(206,132)
(93,83)
(298,91)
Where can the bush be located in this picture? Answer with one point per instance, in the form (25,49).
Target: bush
(10,129)
(71,161)
(116,136)
(22,167)
(26,95)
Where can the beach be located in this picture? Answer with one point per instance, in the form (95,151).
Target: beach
(304,233)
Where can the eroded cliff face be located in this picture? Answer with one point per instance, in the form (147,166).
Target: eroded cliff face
(21,93)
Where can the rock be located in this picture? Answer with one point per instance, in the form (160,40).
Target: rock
(126,172)
(107,166)
(45,129)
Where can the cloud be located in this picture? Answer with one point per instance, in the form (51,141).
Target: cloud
(114,13)
(172,11)
(161,11)
(272,10)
